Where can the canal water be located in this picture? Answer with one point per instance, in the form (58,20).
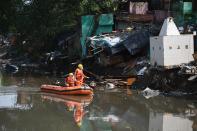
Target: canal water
(23,107)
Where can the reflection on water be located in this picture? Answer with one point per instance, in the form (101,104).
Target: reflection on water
(108,118)
(15,101)
(8,100)
(25,108)
(169,122)
(74,104)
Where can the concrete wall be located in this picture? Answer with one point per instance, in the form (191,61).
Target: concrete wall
(171,50)
(156,51)
(176,123)
(155,121)
(169,122)
(178,49)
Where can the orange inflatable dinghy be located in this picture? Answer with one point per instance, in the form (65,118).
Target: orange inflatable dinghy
(75,90)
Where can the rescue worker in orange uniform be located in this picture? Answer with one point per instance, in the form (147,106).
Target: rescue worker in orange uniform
(70,80)
(79,75)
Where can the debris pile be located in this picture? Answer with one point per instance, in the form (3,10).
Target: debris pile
(114,48)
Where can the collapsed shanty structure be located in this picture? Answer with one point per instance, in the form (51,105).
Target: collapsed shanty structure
(107,43)
(118,43)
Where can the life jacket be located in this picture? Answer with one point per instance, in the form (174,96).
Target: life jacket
(70,80)
(79,83)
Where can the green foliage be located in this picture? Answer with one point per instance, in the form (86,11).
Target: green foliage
(7,14)
(43,19)
(98,6)
(39,21)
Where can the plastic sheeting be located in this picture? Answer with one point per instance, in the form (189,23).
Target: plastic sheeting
(113,45)
(112,41)
(135,42)
(105,41)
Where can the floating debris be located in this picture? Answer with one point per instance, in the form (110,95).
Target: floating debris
(110,86)
(9,68)
(148,93)
(92,84)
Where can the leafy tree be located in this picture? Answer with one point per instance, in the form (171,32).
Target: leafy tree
(7,14)
(99,6)
(39,21)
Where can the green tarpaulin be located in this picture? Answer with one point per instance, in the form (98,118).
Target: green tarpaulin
(187,7)
(87,28)
(105,25)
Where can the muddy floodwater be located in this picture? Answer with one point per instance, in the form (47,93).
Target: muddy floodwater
(24,108)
